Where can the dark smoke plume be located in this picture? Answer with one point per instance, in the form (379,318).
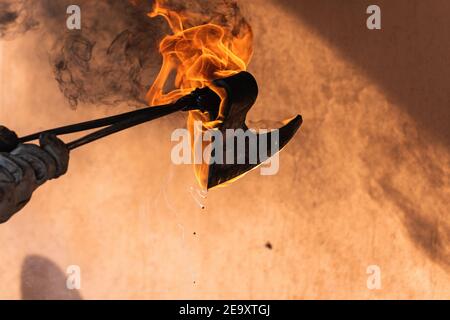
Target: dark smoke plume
(16,17)
(114,58)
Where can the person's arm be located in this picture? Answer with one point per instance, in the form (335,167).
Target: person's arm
(24,167)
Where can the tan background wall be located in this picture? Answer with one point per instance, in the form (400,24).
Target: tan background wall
(365,182)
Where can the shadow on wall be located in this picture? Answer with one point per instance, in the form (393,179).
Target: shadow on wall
(408,58)
(42,279)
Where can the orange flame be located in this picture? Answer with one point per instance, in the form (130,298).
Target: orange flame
(198,55)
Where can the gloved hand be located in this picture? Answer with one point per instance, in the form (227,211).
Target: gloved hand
(8,139)
(27,167)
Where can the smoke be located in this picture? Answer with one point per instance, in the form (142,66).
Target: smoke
(16,17)
(225,13)
(114,57)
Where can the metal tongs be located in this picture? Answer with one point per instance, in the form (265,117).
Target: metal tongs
(203,99)
(241,92)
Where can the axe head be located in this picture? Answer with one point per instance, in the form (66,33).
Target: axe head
(239,157)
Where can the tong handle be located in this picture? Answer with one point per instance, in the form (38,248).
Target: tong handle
(92,124)
(131,121)
(203,99)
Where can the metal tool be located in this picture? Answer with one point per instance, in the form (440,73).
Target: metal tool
(242,91)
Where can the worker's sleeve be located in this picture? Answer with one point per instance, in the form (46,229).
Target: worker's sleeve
(27,167)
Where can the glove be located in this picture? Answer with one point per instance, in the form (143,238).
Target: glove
(8,139)
(27,167)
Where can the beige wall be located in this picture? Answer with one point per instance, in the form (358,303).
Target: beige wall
(365,182)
